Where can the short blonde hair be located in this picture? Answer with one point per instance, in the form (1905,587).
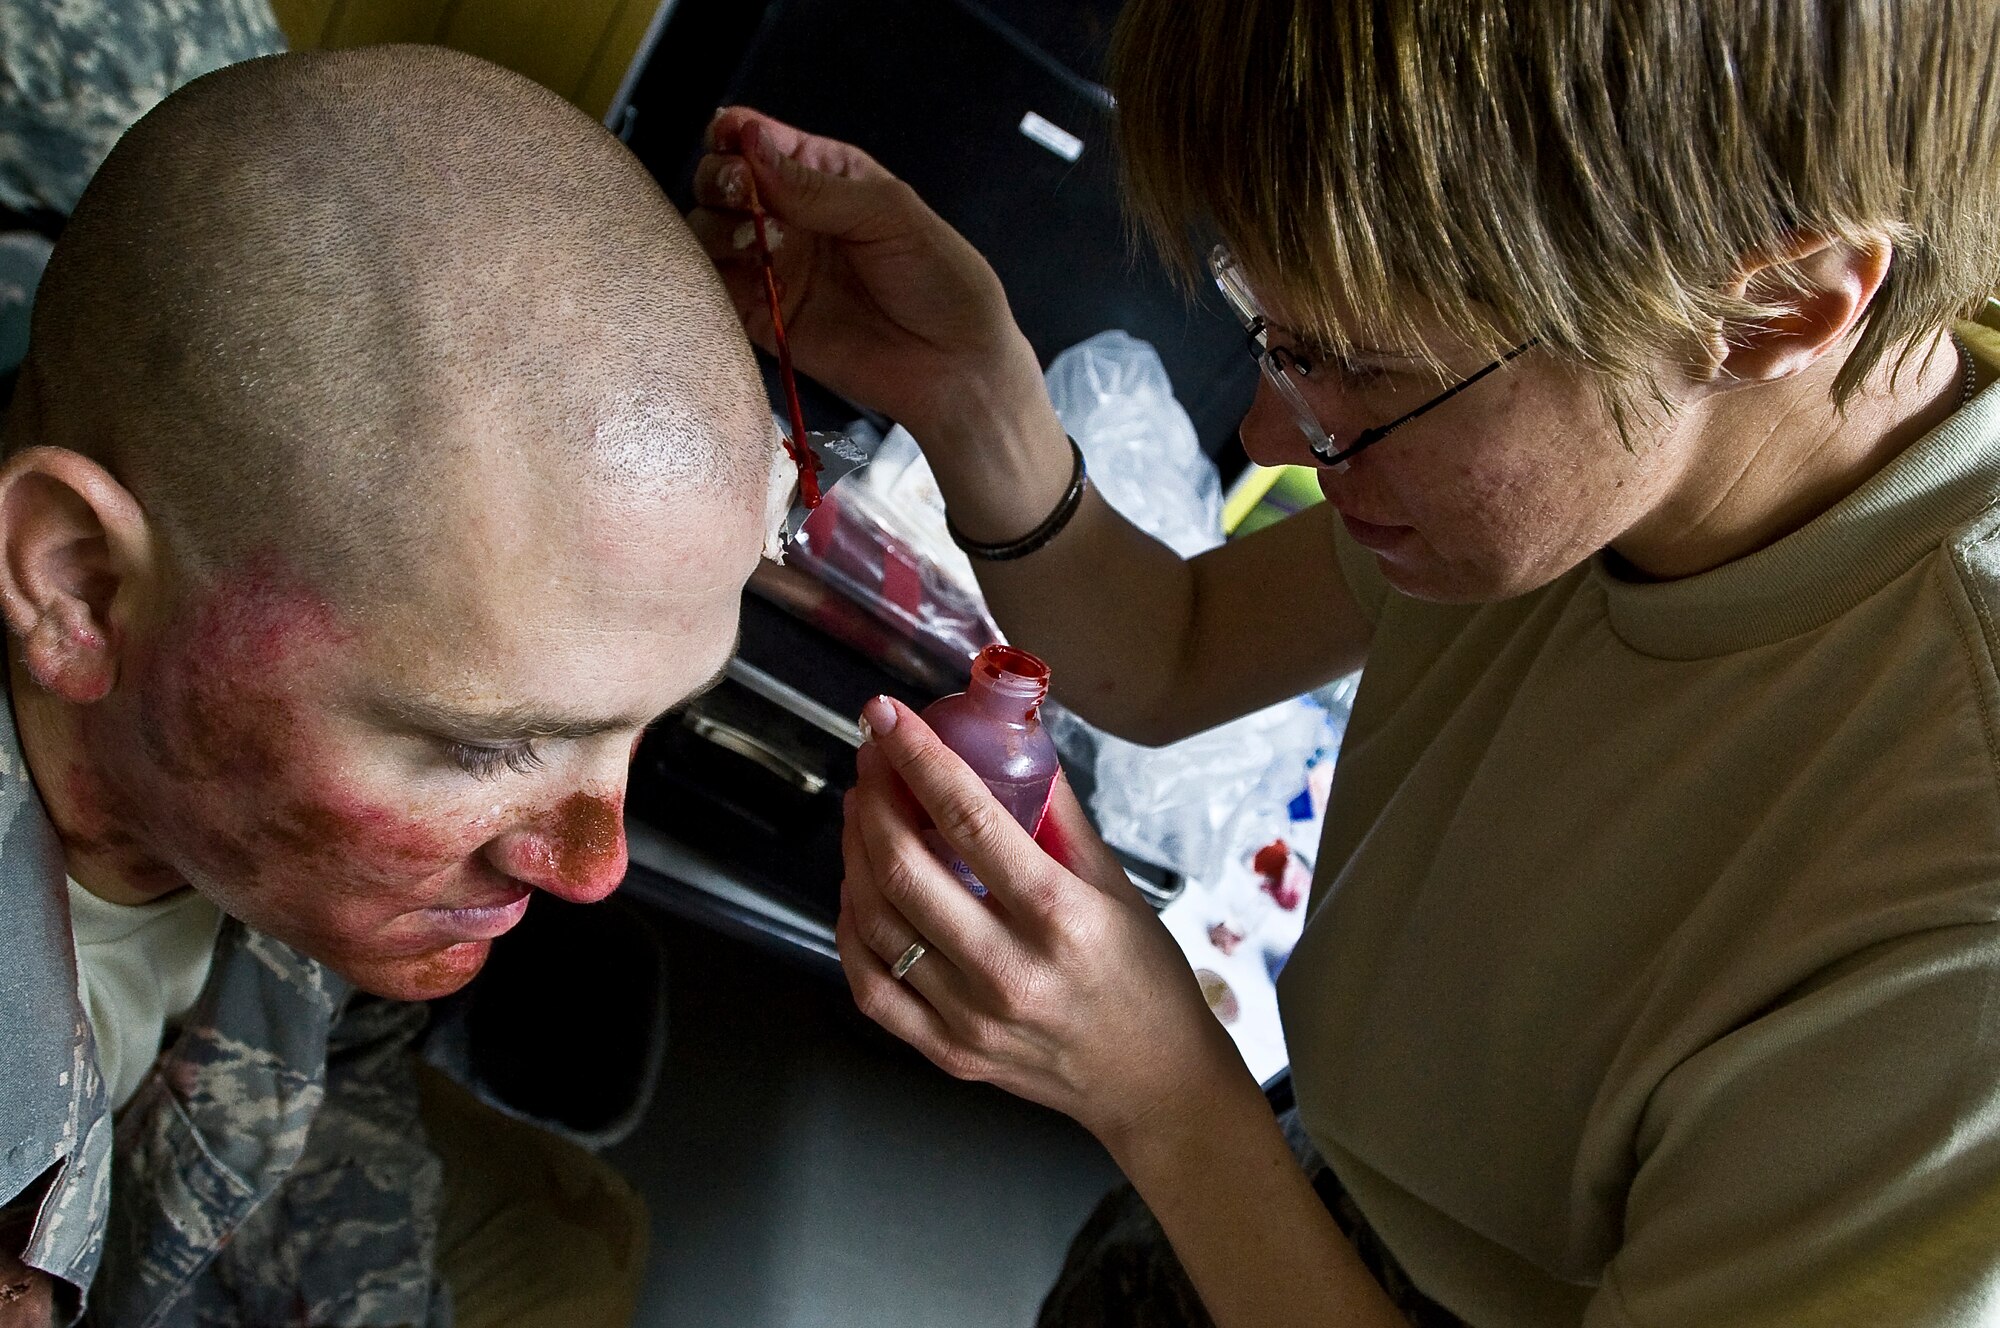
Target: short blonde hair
(1589,172)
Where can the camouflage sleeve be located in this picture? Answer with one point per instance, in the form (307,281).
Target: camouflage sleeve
(273,1168)
(350,1238)
(74,75)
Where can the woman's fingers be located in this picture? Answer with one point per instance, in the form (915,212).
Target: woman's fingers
(1067,835)
(743,131)
(818,184)
(725,130)
(903,871)
(877,924)
(897,1006)
(967,816)
(722,180)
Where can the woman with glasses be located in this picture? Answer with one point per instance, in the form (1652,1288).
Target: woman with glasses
(1652,970)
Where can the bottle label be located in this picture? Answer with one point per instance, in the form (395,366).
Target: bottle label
(953,863)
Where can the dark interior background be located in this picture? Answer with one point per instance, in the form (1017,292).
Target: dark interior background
(936,91)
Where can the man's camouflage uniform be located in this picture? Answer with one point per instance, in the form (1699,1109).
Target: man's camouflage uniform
(75,74)
(272,1169)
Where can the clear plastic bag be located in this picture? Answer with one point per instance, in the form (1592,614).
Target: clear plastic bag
(1195,804)
(863,546)
(1191,805)
(1115,399)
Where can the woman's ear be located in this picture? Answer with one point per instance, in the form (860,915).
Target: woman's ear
(1818,290)
(74,543)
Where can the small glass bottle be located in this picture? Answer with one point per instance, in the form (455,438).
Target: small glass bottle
(995,726)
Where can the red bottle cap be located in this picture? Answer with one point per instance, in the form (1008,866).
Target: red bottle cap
(1011,672)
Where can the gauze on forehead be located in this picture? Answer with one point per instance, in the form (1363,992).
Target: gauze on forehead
(784,483)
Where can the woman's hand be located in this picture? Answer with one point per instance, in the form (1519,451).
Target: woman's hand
(883,302)
(1061,987)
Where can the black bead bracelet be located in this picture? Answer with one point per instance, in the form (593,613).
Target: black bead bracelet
(1051,526)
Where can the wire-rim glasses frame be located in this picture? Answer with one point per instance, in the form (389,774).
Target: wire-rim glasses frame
(1276,362)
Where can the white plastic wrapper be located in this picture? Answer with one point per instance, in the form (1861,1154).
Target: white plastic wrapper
(900,481)
(1198,803)
(781,487)
(883,545)
(1115,399)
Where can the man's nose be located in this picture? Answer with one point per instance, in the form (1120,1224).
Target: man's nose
(574,849)
(1270,433)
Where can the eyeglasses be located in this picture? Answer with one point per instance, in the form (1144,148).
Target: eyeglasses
(1283,368)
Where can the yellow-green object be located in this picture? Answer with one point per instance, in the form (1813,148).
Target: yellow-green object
(1264,495)
(579,48)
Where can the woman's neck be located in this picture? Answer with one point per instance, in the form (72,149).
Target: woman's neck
(1759,462)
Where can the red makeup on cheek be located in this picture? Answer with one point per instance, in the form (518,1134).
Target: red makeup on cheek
(332,825)
(200,767)
(218,691)
(95,839)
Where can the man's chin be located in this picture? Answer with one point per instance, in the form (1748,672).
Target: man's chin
(423,977)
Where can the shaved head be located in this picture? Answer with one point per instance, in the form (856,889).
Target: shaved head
(386,458)
(341,305)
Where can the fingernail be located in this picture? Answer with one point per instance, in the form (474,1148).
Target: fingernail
(774,234)
(878,717)
(735,183)
(744,235)
(767,151)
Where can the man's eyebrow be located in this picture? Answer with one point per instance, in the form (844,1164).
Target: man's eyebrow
(505,724)
(522,723)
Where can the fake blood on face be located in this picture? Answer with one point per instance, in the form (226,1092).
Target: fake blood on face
(233,763)
(226,765)
(202,733)
(575,850)
(587,837)
(218,690)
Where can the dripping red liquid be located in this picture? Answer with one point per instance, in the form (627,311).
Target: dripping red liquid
(801,451)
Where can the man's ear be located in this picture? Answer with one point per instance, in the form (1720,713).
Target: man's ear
(73,543)
(1819,289)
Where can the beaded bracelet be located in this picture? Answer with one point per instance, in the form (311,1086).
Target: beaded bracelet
(1051,526)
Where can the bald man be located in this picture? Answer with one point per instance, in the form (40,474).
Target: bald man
(386,457)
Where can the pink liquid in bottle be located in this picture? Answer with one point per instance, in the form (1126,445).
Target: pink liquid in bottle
(995,725)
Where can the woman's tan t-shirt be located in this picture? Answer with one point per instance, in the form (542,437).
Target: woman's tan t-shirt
(1653,976)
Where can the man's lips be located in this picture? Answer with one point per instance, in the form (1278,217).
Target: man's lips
(481,922)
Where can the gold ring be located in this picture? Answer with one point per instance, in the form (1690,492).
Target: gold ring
(908,961)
